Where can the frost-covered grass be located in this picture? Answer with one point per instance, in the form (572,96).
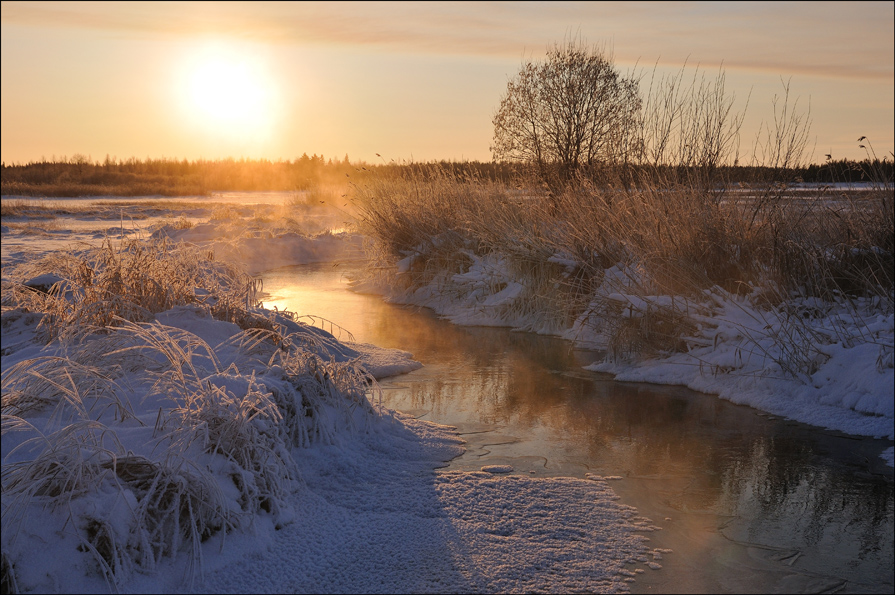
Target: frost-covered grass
(149,406)
(161,433)
(80,292)
(755,294)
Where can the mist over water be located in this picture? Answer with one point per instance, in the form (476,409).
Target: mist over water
(746,501)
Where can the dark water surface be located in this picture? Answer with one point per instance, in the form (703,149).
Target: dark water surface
(748,502)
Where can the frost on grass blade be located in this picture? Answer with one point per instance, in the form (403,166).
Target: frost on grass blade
(157,418)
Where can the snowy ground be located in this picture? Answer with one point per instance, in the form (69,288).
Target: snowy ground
(154,459)
(364,510)
(375,519)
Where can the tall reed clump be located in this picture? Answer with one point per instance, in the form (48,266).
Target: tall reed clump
(641,250)
(133,280)
(321,193)
(141,441)
(471,238)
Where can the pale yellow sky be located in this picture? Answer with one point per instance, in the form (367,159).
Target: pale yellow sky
(405,80)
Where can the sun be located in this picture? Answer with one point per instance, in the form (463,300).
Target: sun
(226,91)
(229,93)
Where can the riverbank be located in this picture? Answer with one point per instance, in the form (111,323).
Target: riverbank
(734,353)
(823,363)
(828,363)
(760,295)
(162,433)
(747,501)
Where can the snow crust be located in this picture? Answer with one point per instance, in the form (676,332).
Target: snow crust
(373,517)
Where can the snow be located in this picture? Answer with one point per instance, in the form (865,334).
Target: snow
(359,505)
(353,504)
(374,518)
(829,365)
(838,372)
(264,253)
(368,513)
(738,356)
(381,362)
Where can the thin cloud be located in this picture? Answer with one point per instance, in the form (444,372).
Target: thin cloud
(842,40)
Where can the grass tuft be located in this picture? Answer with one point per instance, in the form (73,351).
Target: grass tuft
(634,234)
(79,447)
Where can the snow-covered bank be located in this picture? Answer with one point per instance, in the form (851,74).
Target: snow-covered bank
(826,364)
(144,441)
(259,250)
(358,509)
(178,451)
(375,519)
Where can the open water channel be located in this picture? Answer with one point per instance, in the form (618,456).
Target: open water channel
(748,502)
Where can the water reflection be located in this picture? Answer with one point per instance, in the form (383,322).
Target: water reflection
(748,502)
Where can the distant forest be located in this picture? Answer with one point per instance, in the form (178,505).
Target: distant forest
(80,176)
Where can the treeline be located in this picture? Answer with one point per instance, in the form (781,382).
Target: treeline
(877,171)
(843,170)
(79,176)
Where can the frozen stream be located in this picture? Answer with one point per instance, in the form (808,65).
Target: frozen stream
(747,502)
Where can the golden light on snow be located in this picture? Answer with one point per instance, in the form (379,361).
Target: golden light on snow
(229,93)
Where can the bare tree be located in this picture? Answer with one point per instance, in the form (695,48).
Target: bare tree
(80,160)
(572,110)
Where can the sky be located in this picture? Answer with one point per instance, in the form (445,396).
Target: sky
(406,81)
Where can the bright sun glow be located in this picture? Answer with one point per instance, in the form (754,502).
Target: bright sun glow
(229,94)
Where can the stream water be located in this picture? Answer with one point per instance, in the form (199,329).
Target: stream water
(748,502)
